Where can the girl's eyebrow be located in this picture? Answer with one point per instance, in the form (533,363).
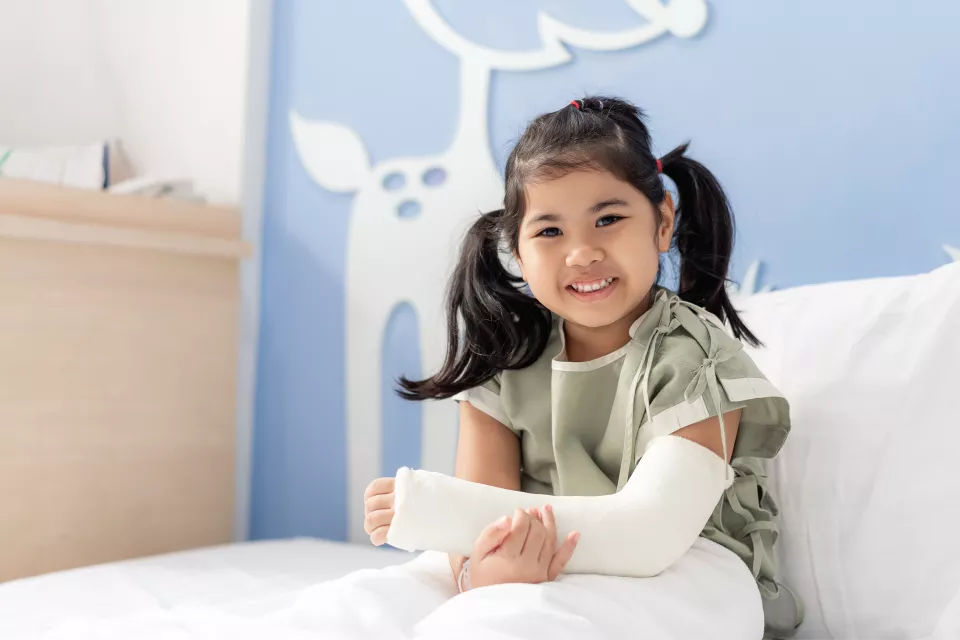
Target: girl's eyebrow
(595,209)
(543,217)
(613,202)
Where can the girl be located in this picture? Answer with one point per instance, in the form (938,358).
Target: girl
(586,380)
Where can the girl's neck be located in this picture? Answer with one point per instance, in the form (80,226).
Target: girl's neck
(589,343)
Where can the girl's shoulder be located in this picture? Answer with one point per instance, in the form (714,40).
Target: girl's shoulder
(691,334)
(537,374)
(508,390)
(700,369)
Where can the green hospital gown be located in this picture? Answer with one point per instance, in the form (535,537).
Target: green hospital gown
(584,425)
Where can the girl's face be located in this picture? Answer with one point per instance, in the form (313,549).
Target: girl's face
(589,246)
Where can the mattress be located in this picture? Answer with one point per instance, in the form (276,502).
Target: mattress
(282,590)
(247,579)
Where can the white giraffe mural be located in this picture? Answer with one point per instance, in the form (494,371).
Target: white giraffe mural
(409,214)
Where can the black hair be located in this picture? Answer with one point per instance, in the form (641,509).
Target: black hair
(492,324)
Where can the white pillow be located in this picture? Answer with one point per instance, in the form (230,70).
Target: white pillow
(79,166)
(869,479)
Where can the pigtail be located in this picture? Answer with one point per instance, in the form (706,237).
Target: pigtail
(491,324)
(704,237)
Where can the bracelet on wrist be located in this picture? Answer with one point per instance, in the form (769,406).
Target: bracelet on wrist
(463,580)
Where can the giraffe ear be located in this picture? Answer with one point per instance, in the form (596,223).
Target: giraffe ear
(333,154)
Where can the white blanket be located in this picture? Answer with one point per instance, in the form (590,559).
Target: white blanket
(708,593)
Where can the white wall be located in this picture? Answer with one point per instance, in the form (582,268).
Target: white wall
(252,181)
(166,77)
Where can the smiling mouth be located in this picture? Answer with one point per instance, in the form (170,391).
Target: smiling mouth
(592,291)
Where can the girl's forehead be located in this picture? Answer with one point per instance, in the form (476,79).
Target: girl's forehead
(576,187)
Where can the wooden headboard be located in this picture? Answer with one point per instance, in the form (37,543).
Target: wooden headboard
(118,350)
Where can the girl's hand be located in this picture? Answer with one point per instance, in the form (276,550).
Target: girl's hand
(378,509)
(520,550)
(562,555)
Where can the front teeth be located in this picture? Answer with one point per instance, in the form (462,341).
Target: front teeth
(596,286)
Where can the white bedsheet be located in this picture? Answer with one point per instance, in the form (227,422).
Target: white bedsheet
(126,599)
(277,591)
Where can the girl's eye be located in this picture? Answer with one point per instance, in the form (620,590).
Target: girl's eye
(549,232)
(606,221)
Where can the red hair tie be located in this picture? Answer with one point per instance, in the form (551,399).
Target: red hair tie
(576,103)
(659,166)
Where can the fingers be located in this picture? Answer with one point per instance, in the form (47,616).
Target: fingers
(535,536)
(491,538)
(378,502)
(377,525)
(379,536)
(379,486)
(550,532)
(377,519)
(378,509)
(563,555)
(519,528)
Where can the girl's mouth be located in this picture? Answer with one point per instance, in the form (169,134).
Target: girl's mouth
(594,290)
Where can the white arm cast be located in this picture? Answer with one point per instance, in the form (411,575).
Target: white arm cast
(637,532)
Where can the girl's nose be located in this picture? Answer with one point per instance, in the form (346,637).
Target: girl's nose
(584,255)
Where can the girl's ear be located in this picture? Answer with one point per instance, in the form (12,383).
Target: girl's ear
(667,220)
(516,256)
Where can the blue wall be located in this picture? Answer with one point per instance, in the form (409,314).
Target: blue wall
(833,125)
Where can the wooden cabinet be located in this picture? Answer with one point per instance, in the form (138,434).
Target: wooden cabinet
(119,320)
